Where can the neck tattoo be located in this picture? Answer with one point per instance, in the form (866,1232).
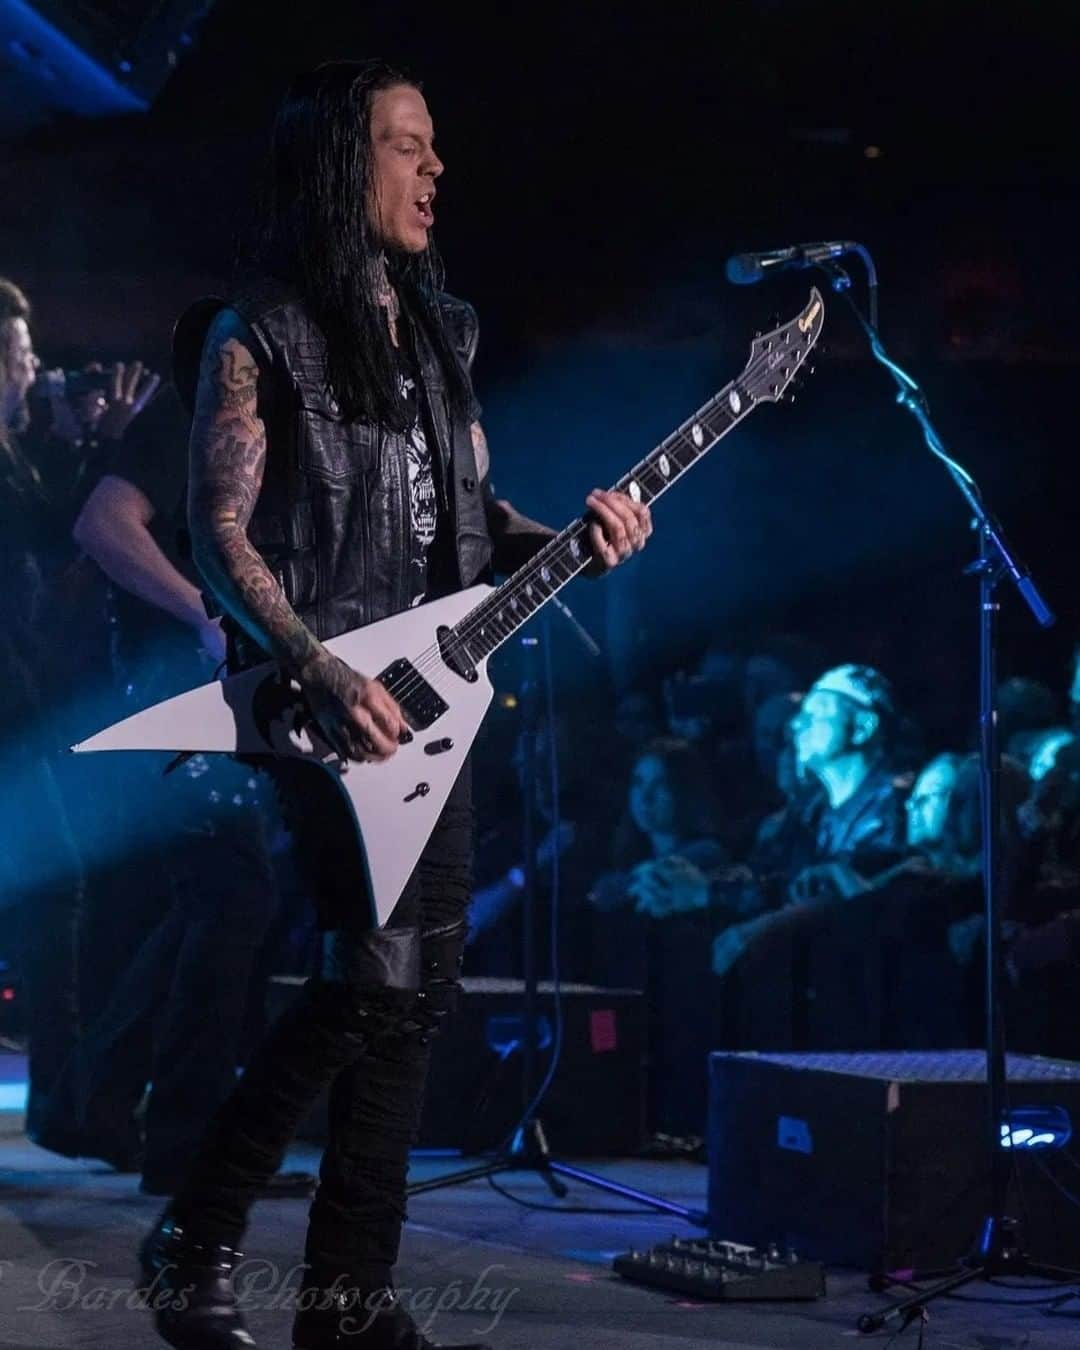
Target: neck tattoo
(386,296)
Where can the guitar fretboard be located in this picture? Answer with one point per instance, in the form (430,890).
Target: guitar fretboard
(498,617)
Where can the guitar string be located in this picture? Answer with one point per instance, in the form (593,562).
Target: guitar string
(430,667)
(679,436)
(488,612)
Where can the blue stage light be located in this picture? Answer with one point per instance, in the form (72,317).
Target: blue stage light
(1036,1127)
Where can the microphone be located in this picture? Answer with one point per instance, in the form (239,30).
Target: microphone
(745,268)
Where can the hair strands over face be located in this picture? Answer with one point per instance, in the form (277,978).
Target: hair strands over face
(318,236)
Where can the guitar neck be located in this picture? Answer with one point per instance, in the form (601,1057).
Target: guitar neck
(499,616)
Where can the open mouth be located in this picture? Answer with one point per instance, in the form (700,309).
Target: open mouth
(423,207)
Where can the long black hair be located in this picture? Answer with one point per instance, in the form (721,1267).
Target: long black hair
(317,236)
(696,810)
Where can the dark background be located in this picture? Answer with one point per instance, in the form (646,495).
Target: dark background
(601,165)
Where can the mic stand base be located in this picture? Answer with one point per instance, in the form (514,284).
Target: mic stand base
(529,1152)
(999,1254)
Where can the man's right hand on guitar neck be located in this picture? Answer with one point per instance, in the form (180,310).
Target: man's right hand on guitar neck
(355,713)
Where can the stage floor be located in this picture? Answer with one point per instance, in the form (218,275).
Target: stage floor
(68,1231)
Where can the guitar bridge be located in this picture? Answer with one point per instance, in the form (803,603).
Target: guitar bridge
(418,700)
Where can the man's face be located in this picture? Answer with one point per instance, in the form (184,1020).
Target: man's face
(822,729)
(17,352)
(399,205)
(928,805)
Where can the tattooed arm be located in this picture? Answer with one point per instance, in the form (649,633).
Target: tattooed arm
(619,526)
(228,457)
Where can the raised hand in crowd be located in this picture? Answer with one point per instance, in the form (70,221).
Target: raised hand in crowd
(825,881)
(666,886)
(491,902)
(131,390)
(104,404)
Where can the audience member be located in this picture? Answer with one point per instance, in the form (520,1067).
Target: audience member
(40,869)
(565,828)
(669,825)
(42,474)
(178,1013)
(1026,710)
(853,828)
(1045,749)
(842,738)
(1024,706)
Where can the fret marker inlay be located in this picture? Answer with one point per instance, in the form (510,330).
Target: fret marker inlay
(735,401)
(634,490)
(665,466)
(697,435)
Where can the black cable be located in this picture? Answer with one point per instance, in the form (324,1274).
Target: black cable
(1064,1153)
(1025,1288)
(556,979)
(565,1209)
(556,826)
(1057,1185)
(1004,1302)
(916,1314)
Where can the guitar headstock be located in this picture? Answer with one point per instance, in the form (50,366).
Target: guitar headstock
(778,356)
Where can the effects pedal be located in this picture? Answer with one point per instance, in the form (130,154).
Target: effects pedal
(719,1270)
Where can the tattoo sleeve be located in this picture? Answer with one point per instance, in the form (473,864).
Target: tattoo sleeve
(516,537)
(227,460)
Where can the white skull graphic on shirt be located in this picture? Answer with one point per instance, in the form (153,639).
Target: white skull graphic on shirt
(423,505)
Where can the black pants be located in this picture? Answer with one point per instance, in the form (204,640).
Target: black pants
(176,1016)
(363,1028)
(39,863)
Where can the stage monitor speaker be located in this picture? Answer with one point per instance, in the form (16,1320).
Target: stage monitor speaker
(879,1159)
(596,1104)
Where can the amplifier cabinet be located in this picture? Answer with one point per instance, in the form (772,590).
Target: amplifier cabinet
(880,1159)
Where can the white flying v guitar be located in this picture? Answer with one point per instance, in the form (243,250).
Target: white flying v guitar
(433,659)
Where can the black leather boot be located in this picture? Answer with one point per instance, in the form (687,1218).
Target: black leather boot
(373,1321)
(189,1290)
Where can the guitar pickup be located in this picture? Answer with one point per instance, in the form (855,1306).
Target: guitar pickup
(417,699)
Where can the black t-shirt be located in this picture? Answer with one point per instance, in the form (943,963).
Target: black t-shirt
(154,457)
(150,645)
(425,516)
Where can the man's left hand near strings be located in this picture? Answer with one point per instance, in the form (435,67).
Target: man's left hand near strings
(618,529)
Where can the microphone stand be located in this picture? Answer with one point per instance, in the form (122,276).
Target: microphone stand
(997,1249)
(527,1147)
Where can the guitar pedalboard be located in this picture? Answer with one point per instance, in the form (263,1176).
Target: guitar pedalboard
(715,1270)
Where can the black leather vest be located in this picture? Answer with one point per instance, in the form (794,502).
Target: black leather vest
(332,520)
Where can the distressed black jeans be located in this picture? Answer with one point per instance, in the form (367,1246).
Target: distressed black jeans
(363,1028)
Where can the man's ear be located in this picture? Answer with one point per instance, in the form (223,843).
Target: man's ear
(866,725)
